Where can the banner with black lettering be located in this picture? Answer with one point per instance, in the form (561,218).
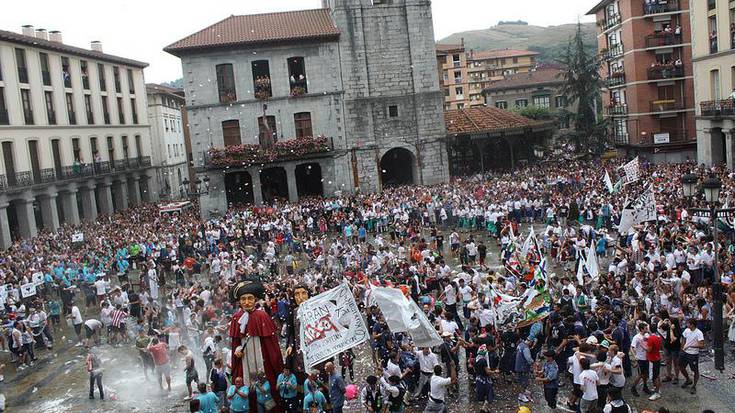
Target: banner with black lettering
(330,324)
(642,209)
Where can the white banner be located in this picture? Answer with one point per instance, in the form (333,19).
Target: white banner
(591,264)
(402,314)
(78,237)
(608,183)
(27,290)
(37,278)
(330,324)
(638,211)
(632,171)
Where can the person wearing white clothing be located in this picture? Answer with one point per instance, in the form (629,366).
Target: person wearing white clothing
(692,344)
(427,361)
(438,385)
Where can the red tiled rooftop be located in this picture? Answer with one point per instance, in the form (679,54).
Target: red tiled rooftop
(499,54)
(533,78)
(260,28)
(485,119)
(443,48)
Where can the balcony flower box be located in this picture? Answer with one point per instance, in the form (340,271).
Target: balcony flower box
(248,154)
(297,91)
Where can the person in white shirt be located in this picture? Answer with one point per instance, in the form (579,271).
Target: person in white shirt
(77,321)
(692,343)
(589,380)
(638,344)
(427,361)
(438,385)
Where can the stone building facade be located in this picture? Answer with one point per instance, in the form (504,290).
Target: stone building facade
(360,73)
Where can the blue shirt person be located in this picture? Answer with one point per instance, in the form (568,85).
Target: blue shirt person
(207,400)
(237,394)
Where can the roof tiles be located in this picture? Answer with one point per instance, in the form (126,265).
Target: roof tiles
(484,119)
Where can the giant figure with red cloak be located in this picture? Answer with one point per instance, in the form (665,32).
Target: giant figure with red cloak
(255,347)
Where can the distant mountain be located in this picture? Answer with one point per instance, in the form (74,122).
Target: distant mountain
(549,41)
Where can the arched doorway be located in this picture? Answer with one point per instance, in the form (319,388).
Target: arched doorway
(309,179)
(239,188)
(397,167)
(274,184)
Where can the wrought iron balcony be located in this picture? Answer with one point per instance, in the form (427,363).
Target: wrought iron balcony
(665,72)
(660,6)
(617,110)
(620,137)
(663,39)
(718,108)
(666,105)
(611,21)
(615,79)
(614,51)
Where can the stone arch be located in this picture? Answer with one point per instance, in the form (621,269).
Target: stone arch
(239,188)
(309,179)
(398,167)
(274,184)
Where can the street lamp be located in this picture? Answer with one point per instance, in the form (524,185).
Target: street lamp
(711,188)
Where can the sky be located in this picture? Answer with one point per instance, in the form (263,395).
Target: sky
(140,29)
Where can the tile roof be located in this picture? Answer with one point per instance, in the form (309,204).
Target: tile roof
(519,80)
(496,54)
(156,88)
(443,48)
(259,29)
(33,41)
(486,119)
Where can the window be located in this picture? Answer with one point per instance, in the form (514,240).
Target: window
(541,101)
(165,122)
(66,71)
(170,154)
(101,74)
(3,109)
(125,146)
(501,104)
(560,101)
(105,110)
(521,103)
(138,146)
(120,113)
(714,85)
(265,128)
(459,91)
(110,149)
(297,76)
(25,97)
(457,76)
(45,72)
(231,132)
(302,121)
(226,83)
(85,74)
(133,111)
(131,83)
(88,109)
(20,61)
(70,109)
(76,150)
(446,92)
(393,111)
(460,105)
(9,162)
(116,77)
(261,79)
(50,112)
(712,24)
(93,145)
(515,60)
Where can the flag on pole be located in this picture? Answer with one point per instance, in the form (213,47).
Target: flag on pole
(580,270)
(640,210)
(632,171)
(591,263)
(529,242)
(608,183)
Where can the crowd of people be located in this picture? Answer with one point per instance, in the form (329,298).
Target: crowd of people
(186,294)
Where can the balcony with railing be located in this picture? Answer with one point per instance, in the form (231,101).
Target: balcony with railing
(663,39)
(660,6)
(263,88)
(70,172)
(610,22)
(718,108)
(617,110)
(615,79)
(669,71)
(667,105)
(665,137)
(283,150)
(614,51)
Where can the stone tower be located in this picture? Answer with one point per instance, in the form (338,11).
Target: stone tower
(392,99)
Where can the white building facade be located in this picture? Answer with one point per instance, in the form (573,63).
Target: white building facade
(165,107)
(74,134)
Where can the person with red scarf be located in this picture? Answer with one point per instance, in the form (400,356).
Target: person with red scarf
(254,340)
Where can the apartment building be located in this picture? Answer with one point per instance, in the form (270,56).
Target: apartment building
(713,50)
(485,67)
(648,80)
(169,155)
(451,60)
(74,133)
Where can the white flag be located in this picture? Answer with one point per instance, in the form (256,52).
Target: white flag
(608,183)
(642,209)
(591,263)
(330,324)
(402,314)
(580,270)
(632,171)
(529,242)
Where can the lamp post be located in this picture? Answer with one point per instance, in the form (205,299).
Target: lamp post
(711,188)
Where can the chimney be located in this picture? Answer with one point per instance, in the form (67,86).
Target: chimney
(55,36)
(462,42)
(28,30)
(96,45)
(42,34)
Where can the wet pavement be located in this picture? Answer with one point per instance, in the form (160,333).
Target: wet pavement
(58,382)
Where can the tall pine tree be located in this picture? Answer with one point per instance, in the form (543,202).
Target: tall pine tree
(582,85)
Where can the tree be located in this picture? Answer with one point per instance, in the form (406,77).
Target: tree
(533,112)
(582,85)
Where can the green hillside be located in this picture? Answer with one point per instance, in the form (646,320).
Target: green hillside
(549,41)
